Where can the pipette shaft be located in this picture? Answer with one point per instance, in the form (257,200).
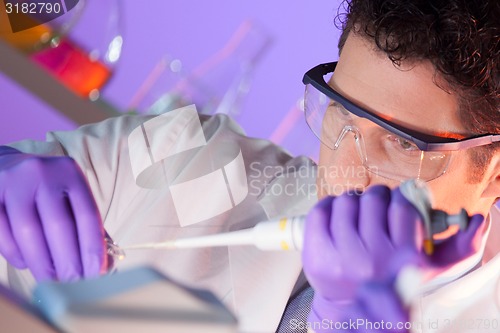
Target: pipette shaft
(283,234)
(288,233)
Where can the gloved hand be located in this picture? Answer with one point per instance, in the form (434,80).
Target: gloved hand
(49,222)
(349,240)
(376,308)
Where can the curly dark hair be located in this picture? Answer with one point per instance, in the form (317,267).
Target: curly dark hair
(460,37)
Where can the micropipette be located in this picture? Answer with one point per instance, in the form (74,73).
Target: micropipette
(283,234)
(435,221)
(288,233)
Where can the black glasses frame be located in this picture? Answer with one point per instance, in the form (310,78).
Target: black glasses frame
(425,142)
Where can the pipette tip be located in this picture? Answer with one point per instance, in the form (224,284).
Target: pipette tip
(163,245)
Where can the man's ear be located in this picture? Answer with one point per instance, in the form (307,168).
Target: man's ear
(492,181)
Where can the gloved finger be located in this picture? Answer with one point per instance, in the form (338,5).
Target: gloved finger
(381,303)
(318,251)
(89,227)
(373,211)
(344,225)
(8,247)
(359,318)
(405,226)
(29,236)
(60,231)
(400,259)
(461,245)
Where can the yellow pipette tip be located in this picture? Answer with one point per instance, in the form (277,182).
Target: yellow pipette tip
(428,247)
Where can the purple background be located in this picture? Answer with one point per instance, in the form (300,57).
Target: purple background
(304,35)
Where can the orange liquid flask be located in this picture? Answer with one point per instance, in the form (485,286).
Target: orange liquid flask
(72,66)
(34,29)
(25,40)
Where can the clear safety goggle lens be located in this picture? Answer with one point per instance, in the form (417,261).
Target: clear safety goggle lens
(381,151)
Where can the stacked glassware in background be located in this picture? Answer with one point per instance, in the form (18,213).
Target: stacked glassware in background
(79,42)
(217,85)
(82,62)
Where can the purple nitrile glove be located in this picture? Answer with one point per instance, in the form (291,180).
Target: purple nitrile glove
(352,239)
(49,221)
(376,308)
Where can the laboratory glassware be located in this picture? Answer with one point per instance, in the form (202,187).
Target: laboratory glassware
(293,134)
(84,59)
(217,85)
(32,26)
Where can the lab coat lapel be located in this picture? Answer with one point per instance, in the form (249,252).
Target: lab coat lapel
(263,280)
(469,303)
(262,284)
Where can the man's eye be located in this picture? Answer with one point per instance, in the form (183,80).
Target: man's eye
(339,108)
(406,145)
(342,109)
(401,144)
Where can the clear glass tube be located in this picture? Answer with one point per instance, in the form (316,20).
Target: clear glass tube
(114,252)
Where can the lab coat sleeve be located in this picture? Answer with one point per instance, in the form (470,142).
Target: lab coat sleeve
(102,152)
(97,148)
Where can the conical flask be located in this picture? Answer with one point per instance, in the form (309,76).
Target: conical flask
(217,85)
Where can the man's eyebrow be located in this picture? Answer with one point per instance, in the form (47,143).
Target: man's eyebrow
(436,133)
(450,135)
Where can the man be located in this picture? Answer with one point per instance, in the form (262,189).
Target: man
(430,71)
(414,82)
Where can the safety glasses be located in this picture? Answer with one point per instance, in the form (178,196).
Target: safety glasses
(315,77)
(388,149)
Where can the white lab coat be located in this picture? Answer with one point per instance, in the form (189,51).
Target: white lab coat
(254,284)
(470,303)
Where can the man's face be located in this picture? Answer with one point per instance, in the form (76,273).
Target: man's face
(408,95)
